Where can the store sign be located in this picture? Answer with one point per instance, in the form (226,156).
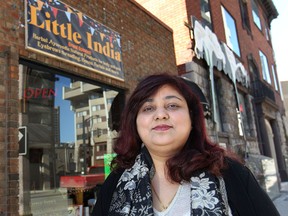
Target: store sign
(54,28)
(39,93)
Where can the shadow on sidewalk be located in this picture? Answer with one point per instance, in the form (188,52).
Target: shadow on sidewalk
(281,202)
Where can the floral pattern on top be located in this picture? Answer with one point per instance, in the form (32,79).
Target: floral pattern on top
(207,196)
(133,196)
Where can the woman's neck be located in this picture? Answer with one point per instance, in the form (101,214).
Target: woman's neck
(160,166)
(163,188)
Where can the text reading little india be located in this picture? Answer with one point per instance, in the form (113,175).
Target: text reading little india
(65,31)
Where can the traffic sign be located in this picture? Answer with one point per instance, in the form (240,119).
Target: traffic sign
(22,140)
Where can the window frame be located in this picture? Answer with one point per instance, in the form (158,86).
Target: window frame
(245,15)
(256,15)
(231,38)
(265,67)
(46,151)
(275,78)
(206,19)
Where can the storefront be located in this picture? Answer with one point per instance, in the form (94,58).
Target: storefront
(69,72)
(69,128)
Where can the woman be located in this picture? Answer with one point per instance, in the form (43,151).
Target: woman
(166,165)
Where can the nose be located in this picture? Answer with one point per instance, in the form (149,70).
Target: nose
(161,113)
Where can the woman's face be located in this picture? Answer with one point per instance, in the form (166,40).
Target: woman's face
(163,122)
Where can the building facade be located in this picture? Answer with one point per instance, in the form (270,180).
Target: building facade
(65,71)
(284,88)
(225,47)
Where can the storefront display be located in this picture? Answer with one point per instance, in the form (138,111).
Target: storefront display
(69,130)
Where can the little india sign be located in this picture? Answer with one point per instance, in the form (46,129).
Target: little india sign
(58,30)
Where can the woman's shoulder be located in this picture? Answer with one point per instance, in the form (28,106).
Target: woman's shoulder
(106,192)
(112,180)
(234,165)
(236,173)
(244,193)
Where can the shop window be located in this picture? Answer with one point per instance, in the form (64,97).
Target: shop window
(244,15)
(230,31)
(265,68)
(63,133)
(255,14)
(205,13)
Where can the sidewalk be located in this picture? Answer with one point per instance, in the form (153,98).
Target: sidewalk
(281,202)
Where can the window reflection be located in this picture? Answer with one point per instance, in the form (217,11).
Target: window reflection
(71,126)
(91,106)
(230,31)
(205,13)
(255,14)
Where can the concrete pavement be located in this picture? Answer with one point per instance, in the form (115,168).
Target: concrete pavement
(281,202)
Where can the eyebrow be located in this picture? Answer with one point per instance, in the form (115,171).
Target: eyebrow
(166,98)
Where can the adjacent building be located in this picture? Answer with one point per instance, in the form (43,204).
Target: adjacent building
(284,88)
(225,48)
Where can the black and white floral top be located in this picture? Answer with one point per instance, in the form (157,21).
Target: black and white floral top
(133,195)
(128,192)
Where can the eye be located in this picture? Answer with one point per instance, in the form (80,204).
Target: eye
(148,108)
(172,106)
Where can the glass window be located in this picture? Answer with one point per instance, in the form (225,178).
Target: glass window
(80,125)
(96,107)
(255,14)
(230,31)
(244,14)
(205,13)
(275,78)
(98,119)
(64,139)
(244,115)
(265,68)
(267,33)
(109,101)
(81,113)
(219,110)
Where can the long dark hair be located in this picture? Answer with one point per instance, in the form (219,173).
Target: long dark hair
(197,154)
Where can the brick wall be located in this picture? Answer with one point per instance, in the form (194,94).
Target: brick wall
(147,48)
(250,42)
(165,11)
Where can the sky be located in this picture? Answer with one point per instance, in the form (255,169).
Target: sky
(67,130)
(279,33)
